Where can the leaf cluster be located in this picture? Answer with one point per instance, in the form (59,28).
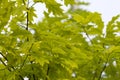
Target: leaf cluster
(66,46)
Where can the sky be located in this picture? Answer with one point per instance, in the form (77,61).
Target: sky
(107,8)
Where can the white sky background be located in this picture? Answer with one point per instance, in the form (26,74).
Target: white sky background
(108,8)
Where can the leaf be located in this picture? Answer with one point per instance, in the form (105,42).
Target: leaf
(11,76)
(42,61)
(53,7)
(113,49)
(26,47)
(31,14)
(79,18)
(67,2)
(37,0)
(111,25)
(58,51)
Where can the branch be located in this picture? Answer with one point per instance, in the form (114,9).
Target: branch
(96,70)
(104,67)
(6,60)
(27,25)
(47,72)
(8,67)
(23,2)
(95,74)
(34,78)
(26,57)
(87,35)
(21,77)
(4,63)
(27,22)
(3,56)
(100,76)
(98,61)
(34,4)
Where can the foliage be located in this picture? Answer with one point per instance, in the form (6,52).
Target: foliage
(66,46)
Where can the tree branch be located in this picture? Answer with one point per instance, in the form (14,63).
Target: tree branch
(4,63)
(34,4)
(47,72)
(27,23)
(23,2)
(100,76)
(26,57)
(27,17)
(87,35)
(96,70)
(104,67)
(34,77)
(8,67)
(3,56)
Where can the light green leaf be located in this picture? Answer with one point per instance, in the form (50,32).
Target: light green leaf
(69,2)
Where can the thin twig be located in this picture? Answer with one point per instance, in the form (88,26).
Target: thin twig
(34,78)
(33,4)
(96,70)
(27,27)
(91,43)
(26,57)
(104,67)
(3,56)
(9,68)
(6,60)
(87,35)
(27,20)
(4,63)
(23,2)
(47,72)
(100,76)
